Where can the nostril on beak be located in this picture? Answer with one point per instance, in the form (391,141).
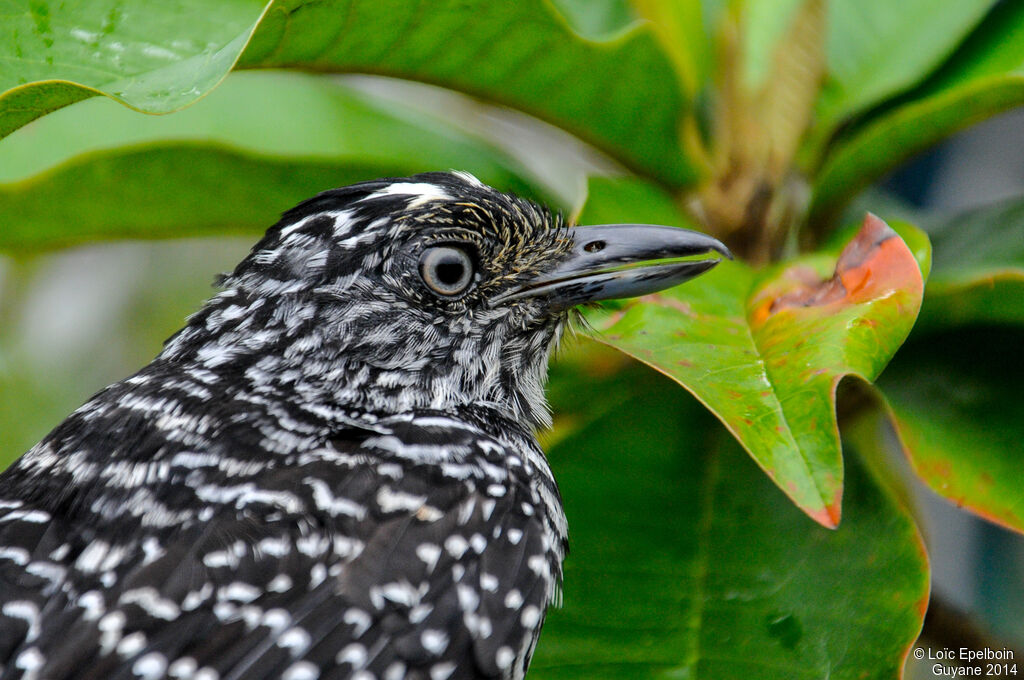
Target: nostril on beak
(594,246)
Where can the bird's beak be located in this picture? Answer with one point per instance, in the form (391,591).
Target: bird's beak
(620,261)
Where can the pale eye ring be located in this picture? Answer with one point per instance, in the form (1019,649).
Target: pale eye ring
(446,270)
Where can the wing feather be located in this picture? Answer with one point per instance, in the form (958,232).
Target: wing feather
(400,569)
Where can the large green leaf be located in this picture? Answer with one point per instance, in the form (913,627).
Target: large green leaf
(233,162)
(984,77)
(681,28)
(877,48)
(766,352)
(596,19)
(955,400)
(151,56)
(978,268)
(686,563)
(619,94)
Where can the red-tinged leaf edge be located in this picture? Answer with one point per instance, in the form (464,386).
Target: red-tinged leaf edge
(871,266)
(862,273)
(1009,520)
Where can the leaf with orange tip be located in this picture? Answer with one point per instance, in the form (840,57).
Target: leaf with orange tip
(765,351)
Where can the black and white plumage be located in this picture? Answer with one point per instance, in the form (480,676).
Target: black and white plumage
(331,471)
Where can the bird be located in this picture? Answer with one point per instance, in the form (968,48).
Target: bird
(331,471)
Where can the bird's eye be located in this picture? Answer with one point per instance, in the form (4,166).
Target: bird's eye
(446,270)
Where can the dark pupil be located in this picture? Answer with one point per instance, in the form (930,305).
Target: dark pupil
(449,272)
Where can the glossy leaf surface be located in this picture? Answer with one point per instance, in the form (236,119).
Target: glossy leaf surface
(232,163)
(955,400)
(979,268)
(877,48)
(155,57)
(619,94)
(686,562)
(766,352)
(680,27)
(984,77)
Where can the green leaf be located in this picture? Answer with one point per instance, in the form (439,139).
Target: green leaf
(955,400)
(765,352)
(155,57)
(231,163)
(680,27)
(985,77)
(615,200)
(763,26)
(596,19)
(979,268)
(787,100)
(686,563)
(877,48)
(619,94)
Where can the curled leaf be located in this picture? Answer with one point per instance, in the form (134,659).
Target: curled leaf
(766,354)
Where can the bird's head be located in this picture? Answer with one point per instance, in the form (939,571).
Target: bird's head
(423,292)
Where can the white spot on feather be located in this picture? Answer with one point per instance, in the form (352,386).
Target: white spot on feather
(434,641)
(354,654)
(423,192)
(151,602)
(280,583)
(456,545)
(531,616)
(296,640)
(30,660)
(358,619)
(238,591)
(335,505)
(429,553)
(504,657)
(19,556)
(514,599)
(150,666)
(301,670)
(442,671)
(182,668)
(27,612)
(132,644)
(394,501)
